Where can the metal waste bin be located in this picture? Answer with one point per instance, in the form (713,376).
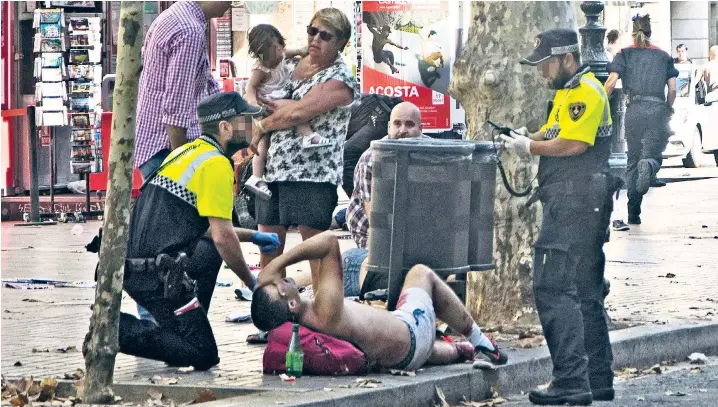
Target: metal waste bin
(481,225)
(420,207)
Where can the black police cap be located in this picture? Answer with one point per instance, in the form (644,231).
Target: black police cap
(224,106)
(558,41)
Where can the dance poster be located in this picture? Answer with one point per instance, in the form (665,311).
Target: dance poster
(405,50)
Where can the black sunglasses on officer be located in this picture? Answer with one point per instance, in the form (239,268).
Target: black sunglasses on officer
(323,35)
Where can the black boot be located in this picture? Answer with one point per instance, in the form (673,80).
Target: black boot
(552,396)
(605,394)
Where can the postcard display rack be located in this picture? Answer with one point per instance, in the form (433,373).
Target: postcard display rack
(68,71)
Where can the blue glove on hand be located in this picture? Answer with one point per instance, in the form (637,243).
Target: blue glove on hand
(267,242)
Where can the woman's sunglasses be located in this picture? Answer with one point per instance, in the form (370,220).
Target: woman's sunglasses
(323,35)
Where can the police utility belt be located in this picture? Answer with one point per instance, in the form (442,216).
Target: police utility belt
(169,270)
(641,98)
(579,186)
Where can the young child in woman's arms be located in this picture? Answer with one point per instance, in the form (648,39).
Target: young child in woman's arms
(269,79)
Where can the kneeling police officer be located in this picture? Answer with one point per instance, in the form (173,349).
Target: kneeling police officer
(575,191)
(189,193)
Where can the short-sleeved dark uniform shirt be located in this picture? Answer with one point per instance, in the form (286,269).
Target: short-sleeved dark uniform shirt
(171,213)
(580,112)
(644,71)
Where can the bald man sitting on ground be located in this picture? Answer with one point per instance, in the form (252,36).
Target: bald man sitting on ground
(404,122)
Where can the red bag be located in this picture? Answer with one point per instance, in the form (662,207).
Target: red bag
(323,354)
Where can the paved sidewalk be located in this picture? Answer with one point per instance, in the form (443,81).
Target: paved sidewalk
(672,239)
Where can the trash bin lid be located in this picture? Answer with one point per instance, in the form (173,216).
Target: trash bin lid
(423,145)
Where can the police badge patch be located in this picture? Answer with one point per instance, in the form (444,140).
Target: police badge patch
(576,110)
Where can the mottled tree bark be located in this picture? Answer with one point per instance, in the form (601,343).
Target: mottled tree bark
(101,343)
(491,85)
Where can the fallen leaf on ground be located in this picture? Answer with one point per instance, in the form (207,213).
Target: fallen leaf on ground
(442,398)
(67,349)
(530,342)
(164,380)
(155,394)
(80,388)
(485,403)
(19,400)
(396,372)
(47,389)
(36,350)
(367,383)
(526,334)
(34,388)
(76,375)
(204,396)
(655,369)
(670,275)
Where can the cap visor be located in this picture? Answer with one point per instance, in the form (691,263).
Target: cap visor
(534,59)
(253,111)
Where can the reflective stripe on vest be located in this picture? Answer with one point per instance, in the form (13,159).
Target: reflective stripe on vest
(179,188)
(604,130)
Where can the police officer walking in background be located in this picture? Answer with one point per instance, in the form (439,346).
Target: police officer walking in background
(645,71)
(576,193)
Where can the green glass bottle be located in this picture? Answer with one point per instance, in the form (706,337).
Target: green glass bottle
(295,354)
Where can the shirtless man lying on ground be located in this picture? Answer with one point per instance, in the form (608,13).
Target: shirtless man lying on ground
(403,339)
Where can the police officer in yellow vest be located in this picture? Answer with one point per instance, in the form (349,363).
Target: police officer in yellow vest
(576,195)
(189,197)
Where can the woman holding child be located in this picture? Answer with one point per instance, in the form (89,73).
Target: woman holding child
(305,130)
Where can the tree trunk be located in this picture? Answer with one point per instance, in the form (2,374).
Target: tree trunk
(101,343)
(491,85)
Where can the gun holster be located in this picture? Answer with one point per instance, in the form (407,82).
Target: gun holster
(172,271)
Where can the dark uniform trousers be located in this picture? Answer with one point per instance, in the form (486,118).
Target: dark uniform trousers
(568,281)
(184,340)
(647,132)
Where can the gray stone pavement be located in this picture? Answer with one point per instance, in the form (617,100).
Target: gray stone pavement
(672,239)
(681,385)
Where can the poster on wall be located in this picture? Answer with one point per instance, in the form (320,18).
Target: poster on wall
(405,49)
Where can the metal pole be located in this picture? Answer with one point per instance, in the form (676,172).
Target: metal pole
(87,194)
(594,54)
(34,192)
(52,170)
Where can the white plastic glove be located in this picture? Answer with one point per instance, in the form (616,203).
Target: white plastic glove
(523,131)
(520,145)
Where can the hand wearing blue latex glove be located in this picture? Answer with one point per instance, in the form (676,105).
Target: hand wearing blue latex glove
(267,242)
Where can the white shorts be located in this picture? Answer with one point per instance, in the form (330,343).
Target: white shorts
(416,309)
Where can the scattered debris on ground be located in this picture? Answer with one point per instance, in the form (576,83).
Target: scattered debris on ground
(697,358)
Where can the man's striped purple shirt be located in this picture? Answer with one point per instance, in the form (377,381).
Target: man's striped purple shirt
(175,77)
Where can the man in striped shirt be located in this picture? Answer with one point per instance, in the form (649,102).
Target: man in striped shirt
(175,77)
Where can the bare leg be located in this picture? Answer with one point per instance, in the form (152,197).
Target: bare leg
(449,309)
(306,233)
(447,305)
(447,352)
(265,258)
(259,160)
